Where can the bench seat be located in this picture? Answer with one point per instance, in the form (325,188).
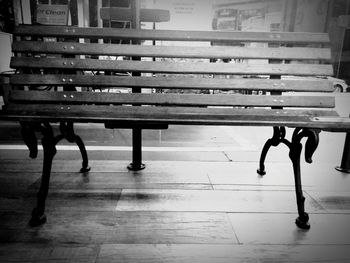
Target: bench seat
(214,115)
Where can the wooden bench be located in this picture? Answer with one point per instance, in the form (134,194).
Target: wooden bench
(57,82)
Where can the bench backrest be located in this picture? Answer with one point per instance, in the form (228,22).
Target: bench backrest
(279,64)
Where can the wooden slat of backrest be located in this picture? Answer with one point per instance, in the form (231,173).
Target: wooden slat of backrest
(172,99)
(173,35)
(126,14)
(172,51)
(170,67)
(173,115)
(98,81)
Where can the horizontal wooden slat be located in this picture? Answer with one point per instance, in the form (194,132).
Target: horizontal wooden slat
(126,14)
(172,67)
(171,99)
(172,51)
(173,115)
(173,35)
(304,85)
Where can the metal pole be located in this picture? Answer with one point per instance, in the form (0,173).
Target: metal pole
(345,162)
(136,132)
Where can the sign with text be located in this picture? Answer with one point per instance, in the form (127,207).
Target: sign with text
(52,14)
(186,14)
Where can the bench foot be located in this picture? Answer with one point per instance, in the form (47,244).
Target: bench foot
(261,171)
(37,218)
(85,169)
(303,221)
(85,164)
(138,167)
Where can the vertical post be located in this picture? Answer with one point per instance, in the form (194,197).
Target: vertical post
(345,162)
(136,132)
(68,13)
(99,20)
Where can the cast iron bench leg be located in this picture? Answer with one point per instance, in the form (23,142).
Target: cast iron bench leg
(264,152)
(278,137)
(67,131)
(295,152)
(85,164)
(49,145)
(49,142)
(295,148)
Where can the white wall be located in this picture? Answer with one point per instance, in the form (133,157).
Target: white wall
(5,51)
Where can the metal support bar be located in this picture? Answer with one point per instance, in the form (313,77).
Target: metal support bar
(136,164)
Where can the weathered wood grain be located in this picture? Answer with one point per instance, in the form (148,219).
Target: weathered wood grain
(223,52)
(172,67)
(236,100)
(97,81)
(69,253)
(116,227)
(164,253)
(209,200)
(176,115)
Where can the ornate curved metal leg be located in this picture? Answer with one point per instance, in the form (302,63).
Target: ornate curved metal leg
(49,142)
(264,152)
(278,137)
(67,131)
(295,152)
(49,146)
(30,139)
(85,164)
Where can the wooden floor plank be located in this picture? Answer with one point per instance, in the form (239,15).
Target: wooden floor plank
(125,155)
(81,227)
(30,253)
(213,201)
(72,165)
(318,177)
(64,200)
(240,173)
(16,182)
(333,201)
(276,229)
(165,253)
(127,179)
